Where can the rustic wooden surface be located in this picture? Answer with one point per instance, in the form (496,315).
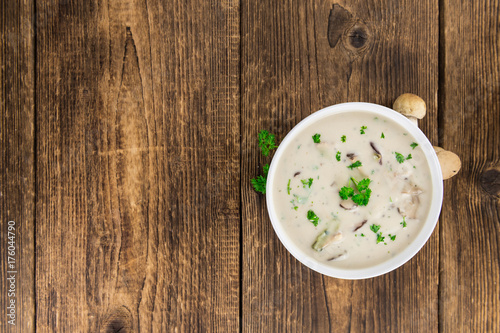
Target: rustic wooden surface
(128,140)
(17,164)
(469,295)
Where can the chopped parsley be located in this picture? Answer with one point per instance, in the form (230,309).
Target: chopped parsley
(362,130)
(382,136)
(375,228)
(342,138)
(360,198)
(312,217)
(362,235)
(306,182)
(288,186)
(392,237)
(380,238)
(316,138)
(399,157)
(266,142)
(356,164)
(414,145)
(403,223)
(338,155)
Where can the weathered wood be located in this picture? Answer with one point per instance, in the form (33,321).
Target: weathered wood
(138,166)
(17,167)
(298,57)
(469,126)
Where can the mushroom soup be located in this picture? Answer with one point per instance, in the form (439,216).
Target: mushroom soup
(352,191)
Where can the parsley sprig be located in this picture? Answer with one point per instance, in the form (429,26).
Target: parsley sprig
(259,183)
(364,192)
(267,142)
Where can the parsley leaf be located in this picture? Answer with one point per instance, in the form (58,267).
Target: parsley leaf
(288,188)
(259,184)
(266,169)
(342,138)
(316,138)
(362,198)
(313,218)
(355,165)
(392,237)
(399,157)
(380,238)
(382,136)
(346,192)
(266,142)
(362,130)
(307,182)
(363,184)
(362,235)
(409,157)
(338,156)
(414,145)
(374,228)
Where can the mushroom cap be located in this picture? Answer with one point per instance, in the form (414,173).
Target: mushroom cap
(449,161)
(410,105)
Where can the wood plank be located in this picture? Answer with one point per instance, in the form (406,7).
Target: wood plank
(138,166)
(298,57)
(470,119)
(17,167)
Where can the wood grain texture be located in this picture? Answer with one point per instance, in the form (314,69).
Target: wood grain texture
(469,125)
(138,166)
(17,164)
(298,57)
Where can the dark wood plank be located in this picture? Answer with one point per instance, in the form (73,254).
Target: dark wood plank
(138,166)
(294,63)
(470,119)
(17,167)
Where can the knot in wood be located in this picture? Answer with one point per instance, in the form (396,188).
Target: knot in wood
(358,36)
(490,182)
(119,320)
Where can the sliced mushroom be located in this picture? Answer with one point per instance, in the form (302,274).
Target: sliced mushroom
(360,225)
(378,155)
(348,205)
(351,156)
(326,238)
(338,257)
(409,206)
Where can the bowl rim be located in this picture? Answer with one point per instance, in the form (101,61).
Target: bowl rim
(427,228)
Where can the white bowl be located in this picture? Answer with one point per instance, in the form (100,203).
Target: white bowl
(427,227)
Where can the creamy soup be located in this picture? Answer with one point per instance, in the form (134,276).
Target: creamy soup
(352,190)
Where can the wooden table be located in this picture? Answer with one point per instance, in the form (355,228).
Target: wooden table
(128,141)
